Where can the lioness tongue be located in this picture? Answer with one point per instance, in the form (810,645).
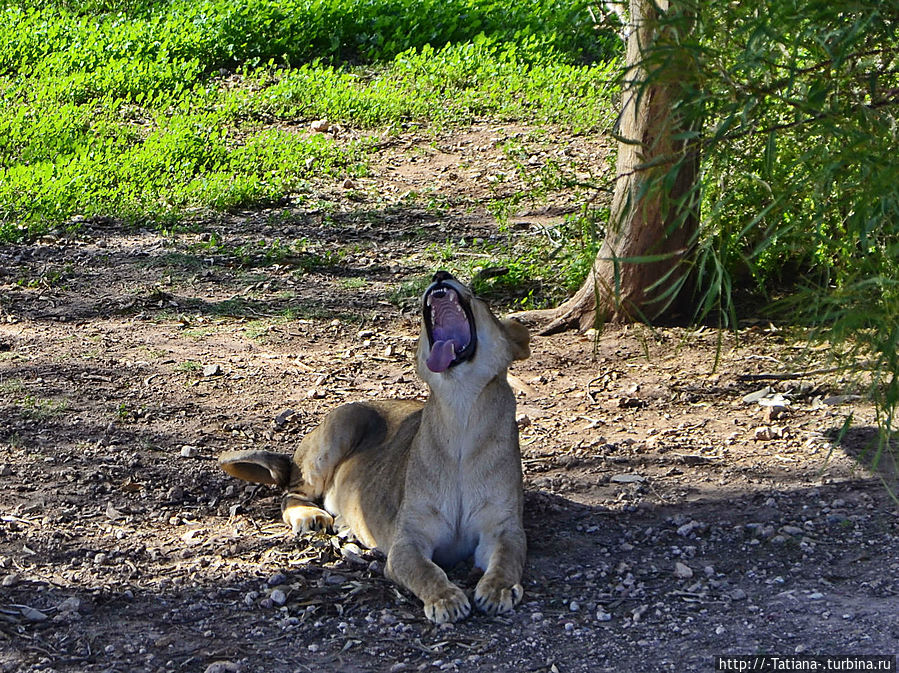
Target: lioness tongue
(442,355)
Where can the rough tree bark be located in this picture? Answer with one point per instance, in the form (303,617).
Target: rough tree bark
(653,213)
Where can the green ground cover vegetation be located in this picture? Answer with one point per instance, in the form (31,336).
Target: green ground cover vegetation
(148,111)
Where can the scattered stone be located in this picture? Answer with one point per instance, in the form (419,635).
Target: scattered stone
(112,513)
(223,667)
(188,451)
(754,398)
(278,597)
(352,553)
(688,528)
(212,370)
(320,126)
(816,596)
(603,616)
(768,432)
(774,412)
(682,571)
(627,479)
(836,400)
(33,615)
(348,184)
(737,594)
(282,418)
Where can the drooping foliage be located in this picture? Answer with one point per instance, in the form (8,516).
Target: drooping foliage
(794,108)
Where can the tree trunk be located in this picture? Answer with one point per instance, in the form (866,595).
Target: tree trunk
(654,208)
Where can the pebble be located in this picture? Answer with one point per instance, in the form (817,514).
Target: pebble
(278,597)
(223,667)
(737,594)
(574,606)
(603,616)
(212,370)
(33,615)
(71,604)
(188,451)
(682,571)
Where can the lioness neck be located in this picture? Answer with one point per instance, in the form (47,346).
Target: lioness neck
(460,410)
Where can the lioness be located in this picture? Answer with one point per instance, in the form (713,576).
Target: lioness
(431,483)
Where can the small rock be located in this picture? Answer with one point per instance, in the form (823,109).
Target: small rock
(223,667)
(688,528)
(793,530)
(315,394)
(33,615)
(212,370)
(574,606)
(816,596)
(603,616)
(278,597)
(768,432)
(320,126)
(282,418)
(682,571)
(753,398)
(774,412)
(836,400)
(352,553)
(627,479)
(536,616)
(348,184)
(71,604)
(10,580)
(737,594)
(188,451)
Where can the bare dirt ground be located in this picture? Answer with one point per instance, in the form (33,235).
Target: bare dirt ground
(670,517)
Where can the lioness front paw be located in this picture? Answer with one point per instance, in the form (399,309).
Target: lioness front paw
(494,598)
(304,518)
(451,606)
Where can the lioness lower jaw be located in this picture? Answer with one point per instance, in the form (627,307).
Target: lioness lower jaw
(418,481)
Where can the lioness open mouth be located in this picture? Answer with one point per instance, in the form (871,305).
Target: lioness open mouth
(449,324)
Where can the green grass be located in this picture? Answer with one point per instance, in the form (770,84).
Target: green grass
(156,112)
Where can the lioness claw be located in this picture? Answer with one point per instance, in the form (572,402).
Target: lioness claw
(452,608)
(495,600)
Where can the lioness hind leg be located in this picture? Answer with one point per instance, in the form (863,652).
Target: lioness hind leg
(499,590)
(340,433)
(303,516)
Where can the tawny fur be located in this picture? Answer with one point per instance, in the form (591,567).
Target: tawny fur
(428,484)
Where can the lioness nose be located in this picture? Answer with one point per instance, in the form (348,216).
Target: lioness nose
(442,275)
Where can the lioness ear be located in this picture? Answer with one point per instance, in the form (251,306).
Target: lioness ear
(519,338)
(260,467)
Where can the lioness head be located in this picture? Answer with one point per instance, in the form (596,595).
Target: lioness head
(458,331)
